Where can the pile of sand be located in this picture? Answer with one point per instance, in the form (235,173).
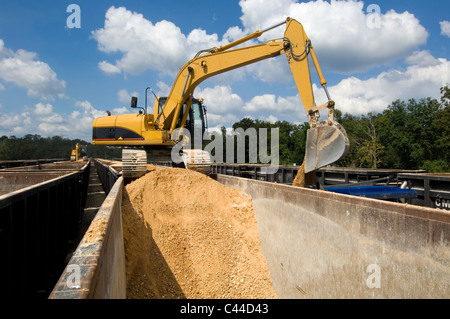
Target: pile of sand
(299,179)
(188,236)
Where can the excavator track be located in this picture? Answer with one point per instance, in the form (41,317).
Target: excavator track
(134,161)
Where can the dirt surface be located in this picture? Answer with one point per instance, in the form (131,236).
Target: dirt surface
(299,179)
(188,236)
(96,230)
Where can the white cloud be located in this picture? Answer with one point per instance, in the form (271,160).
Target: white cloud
(271,119)
(199,39)
(218,120)
(120,110)
(45,114)
(52,129)
(344,39)
(445,28)
(266,102)
(8,121)
(270,104)
(15,124)
(234,33)
(88,110)
(52,119)
(144,45)
(226,107)
(23,69)
(43,109)
(108,68)
(164,89)
(220,99)
(125,97)
(422,59)
(272,70)
(45,121)
(74,115)
(339,30)
(218,129)
(417,81)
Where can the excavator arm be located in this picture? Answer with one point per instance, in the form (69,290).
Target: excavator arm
(327,141)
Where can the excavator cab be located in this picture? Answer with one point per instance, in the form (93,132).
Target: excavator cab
(196,122)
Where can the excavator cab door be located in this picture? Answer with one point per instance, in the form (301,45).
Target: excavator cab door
(196,122)
(196,158)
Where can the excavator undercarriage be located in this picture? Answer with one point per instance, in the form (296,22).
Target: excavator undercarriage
(135,161)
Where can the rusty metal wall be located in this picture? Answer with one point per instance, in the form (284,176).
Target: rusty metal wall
(433,190)
(325,245)
(38,225)
(97,268)
(19,163)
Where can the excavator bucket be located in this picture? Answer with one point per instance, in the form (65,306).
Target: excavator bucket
(325,144)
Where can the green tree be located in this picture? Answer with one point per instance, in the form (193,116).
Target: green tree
(36,147)
(369,149)
(441,128)
(292,138)
(354,130)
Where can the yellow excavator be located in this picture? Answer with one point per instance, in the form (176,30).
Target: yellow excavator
(326,142)
(80,152)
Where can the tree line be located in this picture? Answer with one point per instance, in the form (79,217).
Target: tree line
(38,147)
(413,134)
(406,135)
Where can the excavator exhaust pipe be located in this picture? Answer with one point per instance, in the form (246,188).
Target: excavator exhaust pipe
(325,144)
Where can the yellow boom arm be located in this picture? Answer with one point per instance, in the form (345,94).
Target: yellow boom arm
(295,44)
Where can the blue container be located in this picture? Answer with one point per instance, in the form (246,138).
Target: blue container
(377,192)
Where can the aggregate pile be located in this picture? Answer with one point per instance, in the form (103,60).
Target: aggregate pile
(188,236)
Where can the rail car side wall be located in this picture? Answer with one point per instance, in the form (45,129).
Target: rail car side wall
(324,245)
(38,225)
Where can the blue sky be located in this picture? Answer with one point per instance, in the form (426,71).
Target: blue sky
(55,80)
